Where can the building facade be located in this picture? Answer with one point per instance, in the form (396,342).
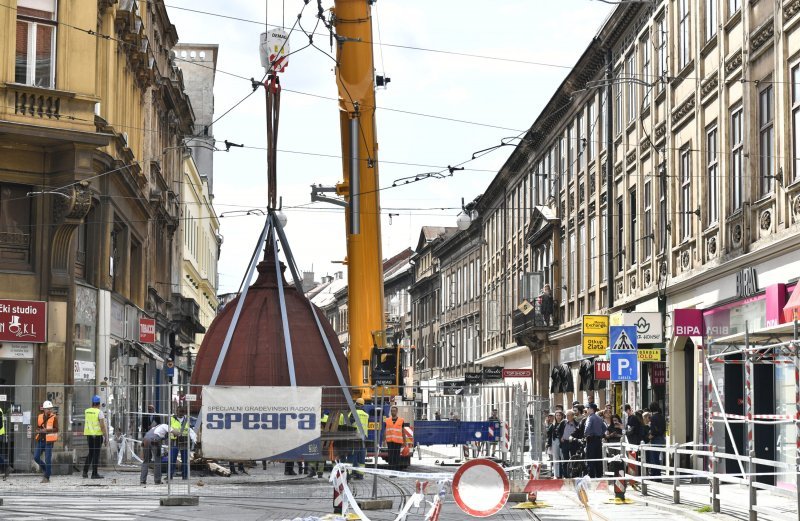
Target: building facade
(91,139)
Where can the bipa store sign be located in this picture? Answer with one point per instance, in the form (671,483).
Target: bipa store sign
(687,322)
(23,321)
(147,330)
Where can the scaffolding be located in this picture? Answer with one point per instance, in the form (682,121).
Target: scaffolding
(778,346)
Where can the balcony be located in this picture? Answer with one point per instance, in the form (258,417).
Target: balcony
(531,329)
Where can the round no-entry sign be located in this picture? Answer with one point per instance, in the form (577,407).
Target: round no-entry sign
(480,487)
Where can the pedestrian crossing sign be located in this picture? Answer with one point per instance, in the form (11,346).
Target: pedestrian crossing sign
(623,338)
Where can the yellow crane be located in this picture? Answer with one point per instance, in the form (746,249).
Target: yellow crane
(371,361)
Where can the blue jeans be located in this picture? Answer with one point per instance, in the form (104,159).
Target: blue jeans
(173,458)
(358,456)
(47,448)
(655,458)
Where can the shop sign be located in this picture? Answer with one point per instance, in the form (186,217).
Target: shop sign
(23,321)
(84,370)
(595,325)
(453,388)
(687,322)
(147,330)
(746,282)
(517,373)
(493,373)
(658,373)
(594,345)
(602,370)
(16,351)
(650,355)
(473,378)
(649,326)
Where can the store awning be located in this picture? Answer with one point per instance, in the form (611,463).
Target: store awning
(791,311)
(148,351)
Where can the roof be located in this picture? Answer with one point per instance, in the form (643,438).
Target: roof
(327,296)
(430,233)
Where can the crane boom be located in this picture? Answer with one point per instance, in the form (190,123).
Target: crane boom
(354,76)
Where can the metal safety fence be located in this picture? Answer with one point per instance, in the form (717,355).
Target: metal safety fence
(441,432)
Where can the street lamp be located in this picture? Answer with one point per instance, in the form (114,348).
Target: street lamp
(465,218)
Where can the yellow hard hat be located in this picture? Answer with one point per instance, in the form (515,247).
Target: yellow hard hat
(360,401)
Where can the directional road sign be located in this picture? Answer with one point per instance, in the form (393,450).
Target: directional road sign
(622,338)
(624,366)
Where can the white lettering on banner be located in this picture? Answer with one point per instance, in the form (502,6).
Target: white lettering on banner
(251,423)
(687,331)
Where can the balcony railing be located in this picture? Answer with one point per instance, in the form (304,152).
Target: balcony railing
(525,324)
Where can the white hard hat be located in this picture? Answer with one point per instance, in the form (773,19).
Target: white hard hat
(47,404)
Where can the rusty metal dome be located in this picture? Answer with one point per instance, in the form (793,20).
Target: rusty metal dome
(256,355)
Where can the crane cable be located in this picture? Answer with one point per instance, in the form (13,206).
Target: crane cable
(273,92)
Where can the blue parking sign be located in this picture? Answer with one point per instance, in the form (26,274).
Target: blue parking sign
(624,366)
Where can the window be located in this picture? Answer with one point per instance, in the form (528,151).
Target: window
(646,74)
(581,132)
(582,263)
(563,263)
(796,120)
(15,227)
(592,119)
(662,51)
(711,19)
(590,260)
(684,31)
(617,102)
(766,140)
(601,129)
(603,245)
(686,192)
(632,86)
(736,159)
(647,238)
(632,231)
(563,164)
(573,264)
(35,62)
(571,138)
(621,235)
(733,6)
(662,206)
(712,176)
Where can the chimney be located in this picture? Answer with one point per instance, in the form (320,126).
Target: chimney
(308,280)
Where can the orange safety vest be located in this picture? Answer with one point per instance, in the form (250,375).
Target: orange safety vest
(394,430)
(50,437)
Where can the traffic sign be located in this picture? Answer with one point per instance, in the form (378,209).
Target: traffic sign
(649,355)
(624,366)
(480,487)
(594,345)
(623,338)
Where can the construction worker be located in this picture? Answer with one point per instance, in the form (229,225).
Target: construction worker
(395,437)
(46,436)
(358,454)
(181,433)
(3,446)
(94,428)
(318,467)
(151,444)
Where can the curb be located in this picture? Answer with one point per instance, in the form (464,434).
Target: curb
(674,509)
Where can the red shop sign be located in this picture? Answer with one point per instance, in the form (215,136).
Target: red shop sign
(147,330)
(602,370)
(658,373)
(517,373)
(23,321)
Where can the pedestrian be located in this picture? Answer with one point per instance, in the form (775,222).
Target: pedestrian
(3,446)
(564,432)
(559,425)
(232,468)
(550,430)
(94,429)
(46,436)
(437,416)
(593,434)
(182,433)
(395,437)
(149,420)
(546,304)
(657,437)
(633,426)
(318,467)
(151,446)
(613,433)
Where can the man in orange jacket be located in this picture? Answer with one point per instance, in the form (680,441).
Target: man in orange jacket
(395,437)
(46,436)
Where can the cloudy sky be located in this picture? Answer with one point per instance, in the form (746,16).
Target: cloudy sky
(539,40)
